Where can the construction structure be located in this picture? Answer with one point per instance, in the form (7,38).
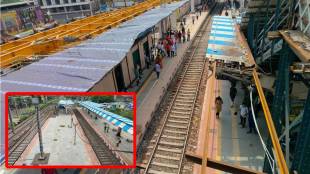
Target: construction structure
(66,10)
(261,48)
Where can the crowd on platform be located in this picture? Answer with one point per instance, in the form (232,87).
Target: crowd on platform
(245,111)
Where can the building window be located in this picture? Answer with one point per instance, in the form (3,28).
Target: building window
(76,8)
(61,9)
(48,2)
(66,1)
(40,2)
(73,1)
(82,0)
(85,7)
(57,2)
(53,10)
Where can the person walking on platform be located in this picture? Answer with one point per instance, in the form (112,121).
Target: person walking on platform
(118,136)
(232,93)
(243,114)
(218,105)
(157,70)
(188,35)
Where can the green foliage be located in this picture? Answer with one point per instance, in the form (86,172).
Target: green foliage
(125,113)
(23,118)
(102,99)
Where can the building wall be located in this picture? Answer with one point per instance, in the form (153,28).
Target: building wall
(106,84)
(65,10)
(127,64)
(127,76)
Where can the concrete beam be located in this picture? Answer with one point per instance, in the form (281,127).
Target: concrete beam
(219,165)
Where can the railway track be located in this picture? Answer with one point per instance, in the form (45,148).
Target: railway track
(167,148)
(24,133)
(102,151)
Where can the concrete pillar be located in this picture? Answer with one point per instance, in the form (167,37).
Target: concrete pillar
(192,6)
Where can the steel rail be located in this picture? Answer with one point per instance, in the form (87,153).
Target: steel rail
(104,154)
(16,148)
(166,116)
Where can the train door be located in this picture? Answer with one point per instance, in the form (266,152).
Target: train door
(119,77)
(136,60)
(146,48)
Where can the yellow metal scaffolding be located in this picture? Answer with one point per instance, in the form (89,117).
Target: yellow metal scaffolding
(52,40)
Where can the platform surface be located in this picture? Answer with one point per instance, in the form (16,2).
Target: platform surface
(58,140)
(235,145)
(150,93)
(125,147)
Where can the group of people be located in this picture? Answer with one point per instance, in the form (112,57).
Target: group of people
(167,47)
(245,111)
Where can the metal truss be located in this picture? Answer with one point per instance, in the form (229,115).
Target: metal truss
(303,22)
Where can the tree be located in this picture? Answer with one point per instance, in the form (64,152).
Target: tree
(102,99)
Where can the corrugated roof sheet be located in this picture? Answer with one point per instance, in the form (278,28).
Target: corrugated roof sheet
(80,67)
(117,120)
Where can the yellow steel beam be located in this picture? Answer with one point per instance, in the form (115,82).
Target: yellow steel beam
(52,40)
(281,164)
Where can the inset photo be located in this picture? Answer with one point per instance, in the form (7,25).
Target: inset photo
(70,130)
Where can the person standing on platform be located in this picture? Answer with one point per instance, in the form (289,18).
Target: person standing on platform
(136,70)
(183,34)
(232,93)
(180,37)
(147,61)
(218,105)
(243,114)
(157,70)
(251,123)
(188,35)
(193,19)
(118,136)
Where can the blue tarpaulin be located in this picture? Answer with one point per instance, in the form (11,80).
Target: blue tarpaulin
(117,120)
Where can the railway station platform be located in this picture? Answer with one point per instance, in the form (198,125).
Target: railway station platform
(224,139)
(153,89)
(125,148)
(58,140)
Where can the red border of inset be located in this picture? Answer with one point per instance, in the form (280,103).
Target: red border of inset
(71,94)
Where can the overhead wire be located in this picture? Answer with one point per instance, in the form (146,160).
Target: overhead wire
(268,155)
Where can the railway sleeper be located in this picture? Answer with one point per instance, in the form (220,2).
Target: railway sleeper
(184,101)
(181,113)
(173,166)
(187,94)
(177,121)
(179,116)
(184,105)
(175,132)
(176,126)
(174,144)
(161,148)
(167,157)
(181,108)
(151,171)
